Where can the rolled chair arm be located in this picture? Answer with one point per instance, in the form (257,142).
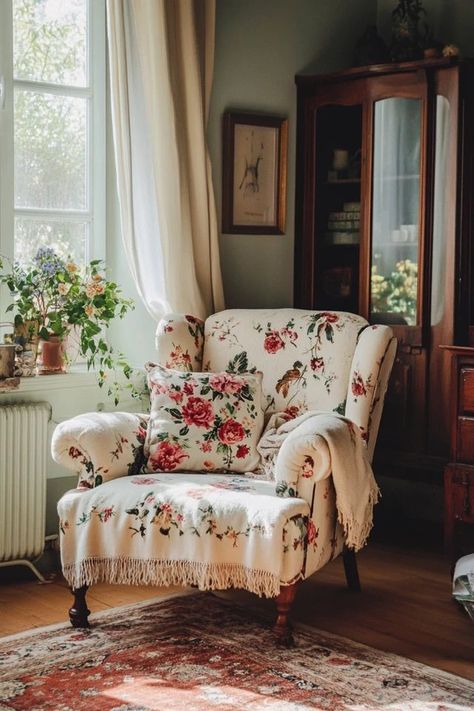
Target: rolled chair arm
(100,446)
(303,460)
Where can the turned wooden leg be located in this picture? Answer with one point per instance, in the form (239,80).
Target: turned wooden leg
(282,628)
(79,612)
(350,569)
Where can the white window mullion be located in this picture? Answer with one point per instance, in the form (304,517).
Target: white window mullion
(47,214)
(46,88)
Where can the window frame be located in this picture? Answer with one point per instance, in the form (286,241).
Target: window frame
(95,92)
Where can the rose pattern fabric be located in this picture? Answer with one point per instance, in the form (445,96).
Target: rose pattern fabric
(319,360)
(203,421)
(371,366)
(305,356)
(179,342)
(101,446)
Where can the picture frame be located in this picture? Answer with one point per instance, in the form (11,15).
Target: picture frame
(254,173)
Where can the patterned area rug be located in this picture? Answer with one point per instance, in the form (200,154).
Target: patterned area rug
(198,653)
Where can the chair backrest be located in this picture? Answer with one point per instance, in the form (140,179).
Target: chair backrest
(305,356)
(310,360)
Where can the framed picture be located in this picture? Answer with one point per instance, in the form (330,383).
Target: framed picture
(255,155)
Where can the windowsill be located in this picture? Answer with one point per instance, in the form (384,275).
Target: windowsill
(77,377)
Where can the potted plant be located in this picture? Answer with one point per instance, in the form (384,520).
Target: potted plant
(397,292)
(52,298)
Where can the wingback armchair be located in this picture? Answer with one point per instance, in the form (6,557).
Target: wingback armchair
(324,361)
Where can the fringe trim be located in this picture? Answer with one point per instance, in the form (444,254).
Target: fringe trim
(163,573)
(355,533)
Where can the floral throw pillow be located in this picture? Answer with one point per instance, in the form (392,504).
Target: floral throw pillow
(203,421)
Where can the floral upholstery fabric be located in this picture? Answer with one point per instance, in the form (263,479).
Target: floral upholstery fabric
(305,356)
(214,531)
(203,421)
(368,382)
(100,446)
(179,342)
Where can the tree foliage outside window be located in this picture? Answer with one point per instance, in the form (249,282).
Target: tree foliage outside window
(50,126)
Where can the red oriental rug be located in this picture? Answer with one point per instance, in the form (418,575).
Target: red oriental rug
(198,653)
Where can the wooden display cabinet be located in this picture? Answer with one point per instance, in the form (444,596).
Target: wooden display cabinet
(459,473)
(384,221)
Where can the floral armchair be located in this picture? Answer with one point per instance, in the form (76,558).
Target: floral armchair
(124,525)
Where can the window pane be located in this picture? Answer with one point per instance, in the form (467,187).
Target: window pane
(68,239)
(50,41)
(50,150)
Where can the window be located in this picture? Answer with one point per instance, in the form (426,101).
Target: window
(52,128)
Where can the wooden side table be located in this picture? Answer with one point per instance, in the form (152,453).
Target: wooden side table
(459,472)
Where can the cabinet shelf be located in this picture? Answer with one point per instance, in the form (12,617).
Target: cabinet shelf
(389,178)
(338,246)
(395,244)
(343,181)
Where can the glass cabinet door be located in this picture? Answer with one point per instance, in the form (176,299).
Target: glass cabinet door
(338,207)
(395,252)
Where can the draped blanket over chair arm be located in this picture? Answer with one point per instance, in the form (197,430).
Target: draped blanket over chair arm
(319,446)
(100,446)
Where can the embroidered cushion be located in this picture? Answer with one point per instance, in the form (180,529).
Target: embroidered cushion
(203,421)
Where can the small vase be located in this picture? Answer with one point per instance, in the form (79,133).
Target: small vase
(51,358)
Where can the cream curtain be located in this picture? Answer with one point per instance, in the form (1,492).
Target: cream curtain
(161,55)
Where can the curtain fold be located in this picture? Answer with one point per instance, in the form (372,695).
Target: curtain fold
(161,64)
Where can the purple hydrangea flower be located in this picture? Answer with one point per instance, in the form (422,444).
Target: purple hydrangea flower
(48,261)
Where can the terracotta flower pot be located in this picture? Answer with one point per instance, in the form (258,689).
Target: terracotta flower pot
(51,358)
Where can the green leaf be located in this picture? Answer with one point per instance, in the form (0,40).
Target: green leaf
(238,364)
(329,332)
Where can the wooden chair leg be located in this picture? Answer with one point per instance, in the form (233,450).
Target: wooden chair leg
(350,569)
(282,628)
(79,611)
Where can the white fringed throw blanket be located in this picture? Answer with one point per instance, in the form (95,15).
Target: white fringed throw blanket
(214,531)
(356,489)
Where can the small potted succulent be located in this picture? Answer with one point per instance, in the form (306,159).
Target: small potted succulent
(53,299)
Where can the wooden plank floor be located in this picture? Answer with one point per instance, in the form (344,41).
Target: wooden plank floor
(405,606)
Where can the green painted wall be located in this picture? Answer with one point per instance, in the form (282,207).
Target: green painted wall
(260,46)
